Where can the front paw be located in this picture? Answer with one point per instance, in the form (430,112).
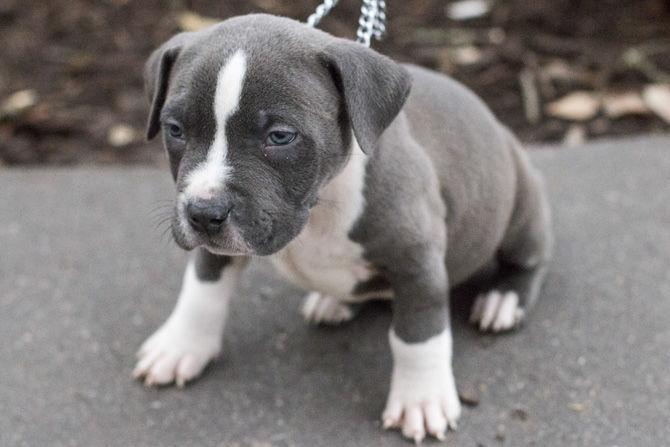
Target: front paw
(175,354)
(423,397)
(423,408)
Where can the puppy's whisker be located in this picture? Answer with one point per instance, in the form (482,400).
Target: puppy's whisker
(160,220)
(166,235)
(160,211)
(161,203)
(160,214)
(163,224)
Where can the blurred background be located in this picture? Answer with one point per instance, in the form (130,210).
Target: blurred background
(553,70)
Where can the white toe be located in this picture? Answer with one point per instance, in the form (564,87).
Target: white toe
(189,368)
(497,312)
(477,309)
(162,371)
(175,355)
(491,304)
(413,425)
(451,405)
(309,305)
(392,415)
(423,398)
(506,312)
(323,309)
(436,422)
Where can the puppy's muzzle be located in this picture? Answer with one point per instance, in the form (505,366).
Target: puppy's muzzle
(207,217)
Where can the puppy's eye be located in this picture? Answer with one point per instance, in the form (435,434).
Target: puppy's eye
(280,138)
(175,130)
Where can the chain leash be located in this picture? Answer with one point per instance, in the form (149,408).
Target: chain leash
(321,11)
(371,24)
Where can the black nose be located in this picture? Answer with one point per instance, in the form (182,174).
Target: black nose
(207,218)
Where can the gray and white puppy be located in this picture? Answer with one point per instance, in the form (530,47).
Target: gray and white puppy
(287,142)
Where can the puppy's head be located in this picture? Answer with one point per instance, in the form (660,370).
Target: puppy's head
(257,115)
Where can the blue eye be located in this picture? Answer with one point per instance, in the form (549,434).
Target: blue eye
(174,130)
(280,138)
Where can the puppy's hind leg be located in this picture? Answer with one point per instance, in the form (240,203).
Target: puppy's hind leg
(523,258)
(319,308)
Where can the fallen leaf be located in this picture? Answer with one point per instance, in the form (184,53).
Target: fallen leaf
(18,103)
(467,55)
(468,9)
(190,21)
(468,394)
(576,407)
(557,69)
(657,98)
(617,105)
(576,106)
(520,414)
(121,135)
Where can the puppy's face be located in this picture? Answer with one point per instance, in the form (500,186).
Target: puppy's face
(255,121)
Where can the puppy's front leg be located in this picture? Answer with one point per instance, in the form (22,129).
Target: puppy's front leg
(181,348)
(423,395)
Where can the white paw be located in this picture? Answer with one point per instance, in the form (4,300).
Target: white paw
(323,309)
(175,354)
(497,312)
(416,413)
(423,397)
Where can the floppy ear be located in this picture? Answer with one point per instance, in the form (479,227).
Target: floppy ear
(157,77)
(373,86)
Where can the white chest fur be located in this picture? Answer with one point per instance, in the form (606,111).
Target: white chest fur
(323,258)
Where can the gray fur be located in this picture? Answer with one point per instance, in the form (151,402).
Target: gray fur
(280,64)
(359,73)
(208,266)
(448,188)
(446,157)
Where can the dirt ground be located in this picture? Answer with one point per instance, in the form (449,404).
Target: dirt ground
(71,86)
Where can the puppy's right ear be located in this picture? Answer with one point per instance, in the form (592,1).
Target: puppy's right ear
(157,77)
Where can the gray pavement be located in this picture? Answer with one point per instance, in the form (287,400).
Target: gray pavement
(85,277)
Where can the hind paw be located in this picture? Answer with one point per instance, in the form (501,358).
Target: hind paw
(323,309)
(496,311)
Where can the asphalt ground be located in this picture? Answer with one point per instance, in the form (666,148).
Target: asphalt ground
(85,276)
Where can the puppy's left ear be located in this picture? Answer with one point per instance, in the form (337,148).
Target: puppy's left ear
(157,77)
(373,86)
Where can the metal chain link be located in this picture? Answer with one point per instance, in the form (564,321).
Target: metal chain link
(371,24)
(321,11)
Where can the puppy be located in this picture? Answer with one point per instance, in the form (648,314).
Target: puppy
(287,142)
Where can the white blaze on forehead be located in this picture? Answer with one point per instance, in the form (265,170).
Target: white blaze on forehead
(208,176)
